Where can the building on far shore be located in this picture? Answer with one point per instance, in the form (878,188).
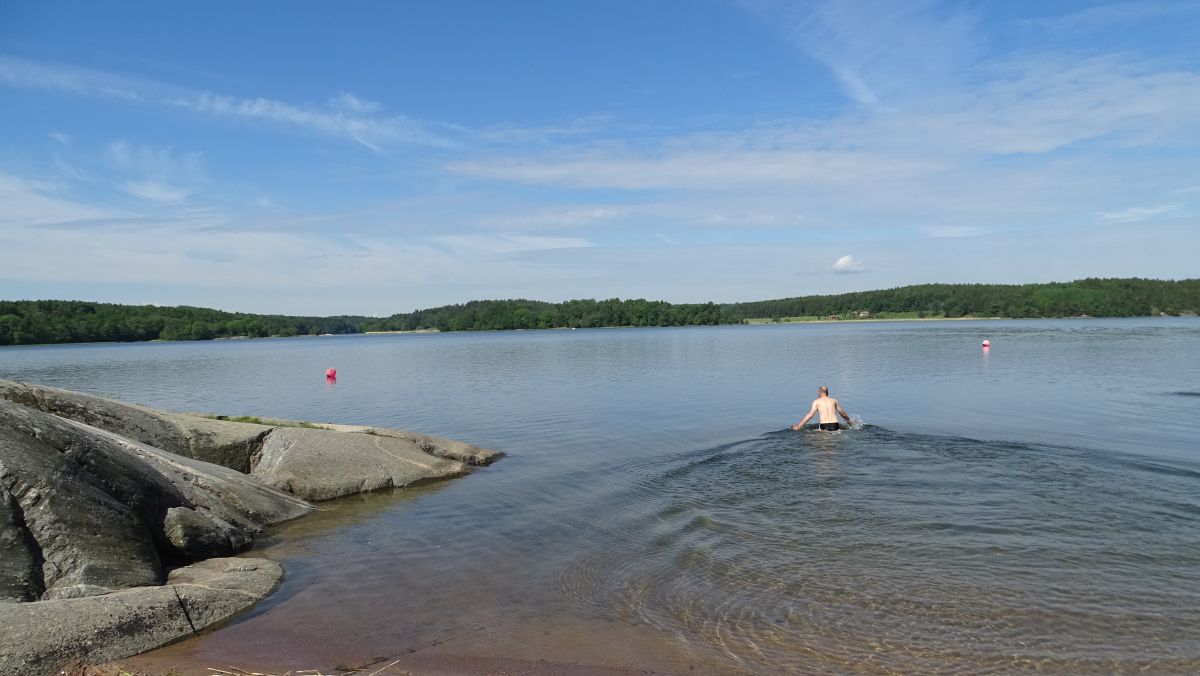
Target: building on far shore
(864,314)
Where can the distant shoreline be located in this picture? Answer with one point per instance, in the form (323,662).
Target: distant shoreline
(793,320)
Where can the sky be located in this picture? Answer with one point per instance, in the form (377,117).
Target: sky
(379,157)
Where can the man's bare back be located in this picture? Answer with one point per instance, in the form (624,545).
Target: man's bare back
(827,408)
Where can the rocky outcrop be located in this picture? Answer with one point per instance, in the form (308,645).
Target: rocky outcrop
(84,511)
(221,443)
(39,638)
(316,461)
(100,499)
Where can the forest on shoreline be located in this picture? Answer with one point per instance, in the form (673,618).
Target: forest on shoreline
(61,321)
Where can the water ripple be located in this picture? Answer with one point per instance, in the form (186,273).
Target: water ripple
(877,551)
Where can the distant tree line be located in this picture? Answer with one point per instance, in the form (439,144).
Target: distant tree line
(1131,297)
(491,315)
(68,321)
(58,321)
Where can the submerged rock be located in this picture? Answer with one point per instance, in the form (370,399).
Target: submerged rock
(40,638)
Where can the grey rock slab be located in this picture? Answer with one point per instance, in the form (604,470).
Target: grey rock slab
(221,442)
(69,491)
(443,448)
(225,443)
(322,464)
(20,560)
(42,637)
(439,446)
(98,507)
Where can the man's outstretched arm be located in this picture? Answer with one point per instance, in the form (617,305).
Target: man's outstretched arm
(808,417)
(841,411)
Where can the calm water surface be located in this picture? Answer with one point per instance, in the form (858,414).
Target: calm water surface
(1034,506)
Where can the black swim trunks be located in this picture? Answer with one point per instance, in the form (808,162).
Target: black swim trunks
(831,427)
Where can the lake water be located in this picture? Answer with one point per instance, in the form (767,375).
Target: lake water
(1032,506)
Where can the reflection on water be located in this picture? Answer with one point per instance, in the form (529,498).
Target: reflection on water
(1037,507)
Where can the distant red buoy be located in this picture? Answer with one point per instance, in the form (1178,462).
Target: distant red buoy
(987,343)
(331,373)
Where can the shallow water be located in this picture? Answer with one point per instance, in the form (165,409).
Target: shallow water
(1036,505)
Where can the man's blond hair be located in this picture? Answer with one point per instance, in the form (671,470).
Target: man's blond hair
(823,390)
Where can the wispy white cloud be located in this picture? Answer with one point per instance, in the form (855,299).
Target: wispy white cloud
(560,217)
(159,162)
(59,136)
(345,115)
(1031,106)
(155,174)
(939,231)
(491,245)
(156,192)
(1113,14)
(369,130)
(26,74)
(702,167)
(351,103)
(846,265)
(518,134)
(1137,214)
(881,52)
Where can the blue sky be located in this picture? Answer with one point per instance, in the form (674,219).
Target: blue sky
(373,158)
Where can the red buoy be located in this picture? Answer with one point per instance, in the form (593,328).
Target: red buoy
(987,343)
(331,373)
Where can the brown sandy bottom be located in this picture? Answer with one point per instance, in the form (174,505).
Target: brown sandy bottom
(418,617)
(575,651)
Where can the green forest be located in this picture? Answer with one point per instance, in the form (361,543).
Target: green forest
(59,321)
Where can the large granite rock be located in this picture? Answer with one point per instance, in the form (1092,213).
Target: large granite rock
(221,443)
(84,511)
(41,638)
(319,464)
(99,498)
(318,461)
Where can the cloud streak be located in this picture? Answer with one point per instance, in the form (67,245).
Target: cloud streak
(345,115)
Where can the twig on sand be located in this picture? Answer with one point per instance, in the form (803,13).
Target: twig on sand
(373,673)
(234,671)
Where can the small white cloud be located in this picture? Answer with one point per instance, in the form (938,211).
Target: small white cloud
(1138,214)
(847,264)
(60,137)
(156,192)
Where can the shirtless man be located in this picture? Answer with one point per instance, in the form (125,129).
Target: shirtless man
(827,406)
